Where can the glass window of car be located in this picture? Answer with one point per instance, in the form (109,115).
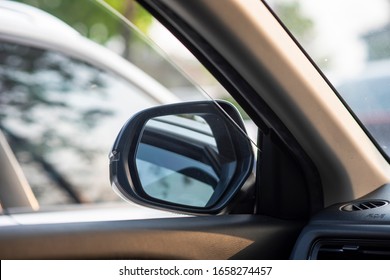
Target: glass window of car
(62,104)
(350,42)
(60,115)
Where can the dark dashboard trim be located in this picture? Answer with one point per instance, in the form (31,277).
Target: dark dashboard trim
(332,224)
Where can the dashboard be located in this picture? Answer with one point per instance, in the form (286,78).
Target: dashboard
(359,229)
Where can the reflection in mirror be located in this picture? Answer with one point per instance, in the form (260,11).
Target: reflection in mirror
(178,161)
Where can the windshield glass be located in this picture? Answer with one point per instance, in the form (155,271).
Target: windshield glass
(350,43)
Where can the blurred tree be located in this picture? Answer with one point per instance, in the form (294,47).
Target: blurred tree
(133,12)
(92,19)
(92,23)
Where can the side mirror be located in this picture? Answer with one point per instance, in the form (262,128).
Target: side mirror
(187,157)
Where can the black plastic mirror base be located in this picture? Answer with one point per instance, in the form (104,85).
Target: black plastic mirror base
(188,157)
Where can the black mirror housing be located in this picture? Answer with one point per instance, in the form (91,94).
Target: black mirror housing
(190,157)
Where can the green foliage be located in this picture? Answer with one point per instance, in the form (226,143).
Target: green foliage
(91,19)
(133,12)
(86,16)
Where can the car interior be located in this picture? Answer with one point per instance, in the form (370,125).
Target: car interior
(313,186)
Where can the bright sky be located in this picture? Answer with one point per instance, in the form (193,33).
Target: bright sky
(339,25)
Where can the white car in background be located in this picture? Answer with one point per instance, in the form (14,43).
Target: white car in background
(63,98)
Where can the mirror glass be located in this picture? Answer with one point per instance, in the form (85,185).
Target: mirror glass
(178,161)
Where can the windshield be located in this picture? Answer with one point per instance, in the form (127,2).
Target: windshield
(350,42)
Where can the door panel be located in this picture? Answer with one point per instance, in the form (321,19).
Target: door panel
(217,237)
